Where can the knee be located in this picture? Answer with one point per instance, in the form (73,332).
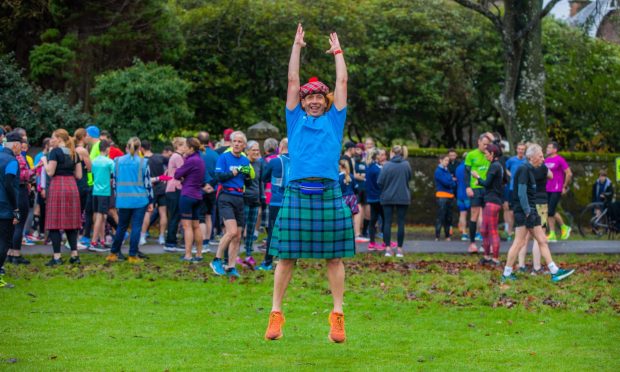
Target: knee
(334,263)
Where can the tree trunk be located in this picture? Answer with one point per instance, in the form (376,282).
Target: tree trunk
(530,93)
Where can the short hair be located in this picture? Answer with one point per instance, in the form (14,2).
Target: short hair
(602,172)
(178,141)
(451,149)
(105,133)
(284,142)
(251,144)
(270,145)
(146,144)
(555,144)
(203,137)
(239,134)
(532,150)
(46,141)
(168,148)
(483,136)
(104,145)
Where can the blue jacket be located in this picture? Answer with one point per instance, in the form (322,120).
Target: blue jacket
(8,198)
(133,182)
(278,172)
(443,180)
(461,193)
(373,191)
(209,157)
(347,189)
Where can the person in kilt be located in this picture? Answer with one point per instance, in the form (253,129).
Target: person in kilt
(313,221)
(63,212)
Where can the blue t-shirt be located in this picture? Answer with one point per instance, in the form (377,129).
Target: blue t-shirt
(461,185)
(209,157)
(347,189)
(226,163)
(12,168)
(314,143)
(512,165)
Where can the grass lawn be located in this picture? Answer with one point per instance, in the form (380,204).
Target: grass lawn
(428,312)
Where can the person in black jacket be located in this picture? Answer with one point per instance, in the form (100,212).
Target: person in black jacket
(602,190)
(9,189)
(493,193)
(395,196)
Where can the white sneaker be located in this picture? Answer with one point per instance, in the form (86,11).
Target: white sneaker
(161,240)
(388,252)
(361,239)
(399,253)
(142,240)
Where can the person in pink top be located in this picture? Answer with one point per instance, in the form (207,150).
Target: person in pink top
(556,187)
(173,194)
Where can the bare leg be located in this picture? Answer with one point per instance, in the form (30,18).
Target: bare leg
(231,232)
(197,237)
(335,275)
(536,256)
(282,276)
(463,222)
(509,218)
(539,236)
(163,220)
(233,248)
(188,234)
(517,244)
(145,222)
(523,251)
(357,224)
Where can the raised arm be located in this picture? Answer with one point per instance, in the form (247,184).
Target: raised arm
(340,92)
(292,92)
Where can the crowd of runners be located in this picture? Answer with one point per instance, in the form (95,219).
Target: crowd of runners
(225,193)
(84,192)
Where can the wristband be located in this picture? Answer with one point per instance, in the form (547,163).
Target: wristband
(339,51)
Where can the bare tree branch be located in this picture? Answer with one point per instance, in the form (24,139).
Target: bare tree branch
(482,9)
(534,21)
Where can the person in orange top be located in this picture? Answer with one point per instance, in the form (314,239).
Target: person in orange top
(444,185)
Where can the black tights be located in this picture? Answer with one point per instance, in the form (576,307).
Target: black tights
(376,211)
(56,238)
(401,213)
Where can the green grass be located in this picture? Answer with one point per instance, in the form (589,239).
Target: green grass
(426,312)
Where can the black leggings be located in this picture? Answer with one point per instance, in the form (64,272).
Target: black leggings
(401,213)
(56,238)
(273,214)
(23,204)
(376,211)
(444,213)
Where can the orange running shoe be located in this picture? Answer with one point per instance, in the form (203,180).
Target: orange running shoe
(274,329)
(112,257)
(336,331)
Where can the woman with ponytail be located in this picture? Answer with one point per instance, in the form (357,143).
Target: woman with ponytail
(192,175)
(134,196)
(64,167)
(493,184)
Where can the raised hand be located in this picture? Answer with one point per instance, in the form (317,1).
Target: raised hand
(299,36)
(334,43)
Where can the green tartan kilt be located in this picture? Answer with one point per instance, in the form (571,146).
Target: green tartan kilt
(313,226)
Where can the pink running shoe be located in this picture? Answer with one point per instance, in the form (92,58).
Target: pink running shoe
(393,245)
(380,247)
(249,262)
(372,246)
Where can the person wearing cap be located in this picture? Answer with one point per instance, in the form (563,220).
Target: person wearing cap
(92,139)
(226,141)
(9,190)
(25,175)
(313,221)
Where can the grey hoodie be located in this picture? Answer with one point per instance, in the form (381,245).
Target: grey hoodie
(394,182)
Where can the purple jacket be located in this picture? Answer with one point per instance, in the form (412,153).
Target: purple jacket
(193,174)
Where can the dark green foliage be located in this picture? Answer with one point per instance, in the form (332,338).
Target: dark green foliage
(144,100)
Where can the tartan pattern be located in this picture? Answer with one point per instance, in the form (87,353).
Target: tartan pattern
(488,229)
(351,202)
(313,226)
(250,215)
(313,86)
(62,210)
